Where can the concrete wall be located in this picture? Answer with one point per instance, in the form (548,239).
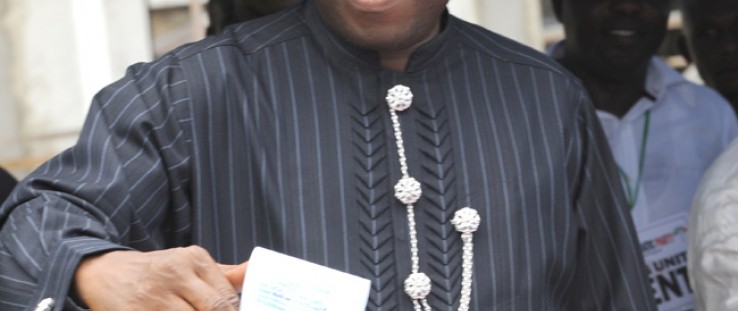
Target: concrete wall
(9,113)
(56,55)
(518,19)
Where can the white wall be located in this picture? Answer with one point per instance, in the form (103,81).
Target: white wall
(516,19)
(8,110)
(60,52)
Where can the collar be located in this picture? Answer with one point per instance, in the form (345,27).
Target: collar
(336,47)
(659,78)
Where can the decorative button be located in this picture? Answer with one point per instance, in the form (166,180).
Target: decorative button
(418,285)
(45,305)
(407,190)
(399,97)
(466,220)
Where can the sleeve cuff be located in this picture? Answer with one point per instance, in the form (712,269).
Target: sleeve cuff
(53,291)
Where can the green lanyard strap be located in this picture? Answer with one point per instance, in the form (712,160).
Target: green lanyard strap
(633,193)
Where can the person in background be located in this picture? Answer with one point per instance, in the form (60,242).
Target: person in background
(663,130)
(7,183)
(359,135)
(710,29)
(223,13)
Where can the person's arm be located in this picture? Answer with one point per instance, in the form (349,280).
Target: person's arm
(611,272)
(124,185)
(172,279)
(713,235)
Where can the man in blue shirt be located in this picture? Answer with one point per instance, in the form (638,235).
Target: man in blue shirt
(663,130)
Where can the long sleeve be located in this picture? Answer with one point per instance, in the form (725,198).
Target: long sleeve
(277,134)
(112,190)
(611,274)
(713,235)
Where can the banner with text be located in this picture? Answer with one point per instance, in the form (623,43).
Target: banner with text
(664,246)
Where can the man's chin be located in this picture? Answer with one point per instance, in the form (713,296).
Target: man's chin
(622,67)
(627,60)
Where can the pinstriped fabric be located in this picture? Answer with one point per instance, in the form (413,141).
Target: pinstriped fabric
(277,134)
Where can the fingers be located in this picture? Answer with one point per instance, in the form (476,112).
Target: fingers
(235,274)
(204,297)
(132,280)
(179,305)
(211,290)
(171,279)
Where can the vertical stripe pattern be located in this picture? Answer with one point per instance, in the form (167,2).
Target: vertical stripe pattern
(276,134)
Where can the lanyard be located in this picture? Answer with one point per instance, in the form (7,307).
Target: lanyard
(633,193)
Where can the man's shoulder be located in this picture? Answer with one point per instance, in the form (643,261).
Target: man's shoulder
(249,37)
(693,94)
(702,93)
(502,48)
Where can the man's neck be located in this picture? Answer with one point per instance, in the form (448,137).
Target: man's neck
(616,99)
(397,60)
(615,94)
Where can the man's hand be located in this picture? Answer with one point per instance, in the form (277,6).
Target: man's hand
(235,274)
(172,279)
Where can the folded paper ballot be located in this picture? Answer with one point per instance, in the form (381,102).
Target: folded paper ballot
(275,281)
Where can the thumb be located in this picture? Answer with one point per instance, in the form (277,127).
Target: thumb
(235,274)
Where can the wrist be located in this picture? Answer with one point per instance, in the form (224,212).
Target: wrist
(89,269)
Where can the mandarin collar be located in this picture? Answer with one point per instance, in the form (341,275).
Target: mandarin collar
(336,47)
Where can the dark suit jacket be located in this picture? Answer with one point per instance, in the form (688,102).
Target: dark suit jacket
(7,183)
(277,134)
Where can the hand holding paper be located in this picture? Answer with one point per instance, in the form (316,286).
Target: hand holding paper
(172,279)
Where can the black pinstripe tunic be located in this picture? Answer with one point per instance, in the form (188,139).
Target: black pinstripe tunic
(277,134)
